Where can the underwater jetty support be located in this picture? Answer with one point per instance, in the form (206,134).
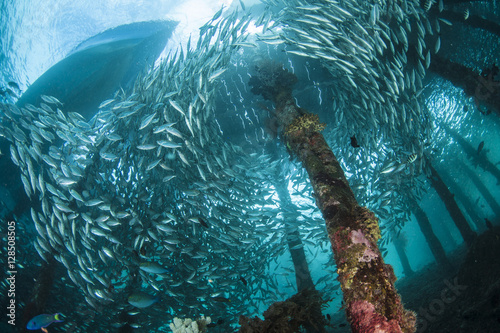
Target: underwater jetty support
(465,199)
(371,301)
(302,273)
(303,277)
(400,249)
(488,197)
(430,237)
(474,21)
(477,159)
(302,310)
(485,89)
(451,205)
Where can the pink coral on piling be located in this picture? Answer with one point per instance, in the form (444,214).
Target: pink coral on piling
(357,237)
(364,319)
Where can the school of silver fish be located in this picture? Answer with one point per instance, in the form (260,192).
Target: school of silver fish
(148,199)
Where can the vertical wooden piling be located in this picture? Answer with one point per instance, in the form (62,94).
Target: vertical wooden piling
(371,301)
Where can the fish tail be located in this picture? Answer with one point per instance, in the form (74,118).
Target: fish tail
(58,317)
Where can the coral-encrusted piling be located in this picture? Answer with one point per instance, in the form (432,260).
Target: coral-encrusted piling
(370,298)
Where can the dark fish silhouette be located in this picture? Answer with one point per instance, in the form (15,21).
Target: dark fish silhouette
(203,223)
(488,224)
(219,322)
(13,85)
(221,299)
(243,280)
(480,147)
(354,142)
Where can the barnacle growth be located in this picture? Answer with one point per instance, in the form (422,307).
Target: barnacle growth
(306,123)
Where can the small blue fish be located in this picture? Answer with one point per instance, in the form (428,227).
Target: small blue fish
(44,320)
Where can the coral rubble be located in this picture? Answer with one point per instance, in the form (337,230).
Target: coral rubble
(299,311)
(190,326)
